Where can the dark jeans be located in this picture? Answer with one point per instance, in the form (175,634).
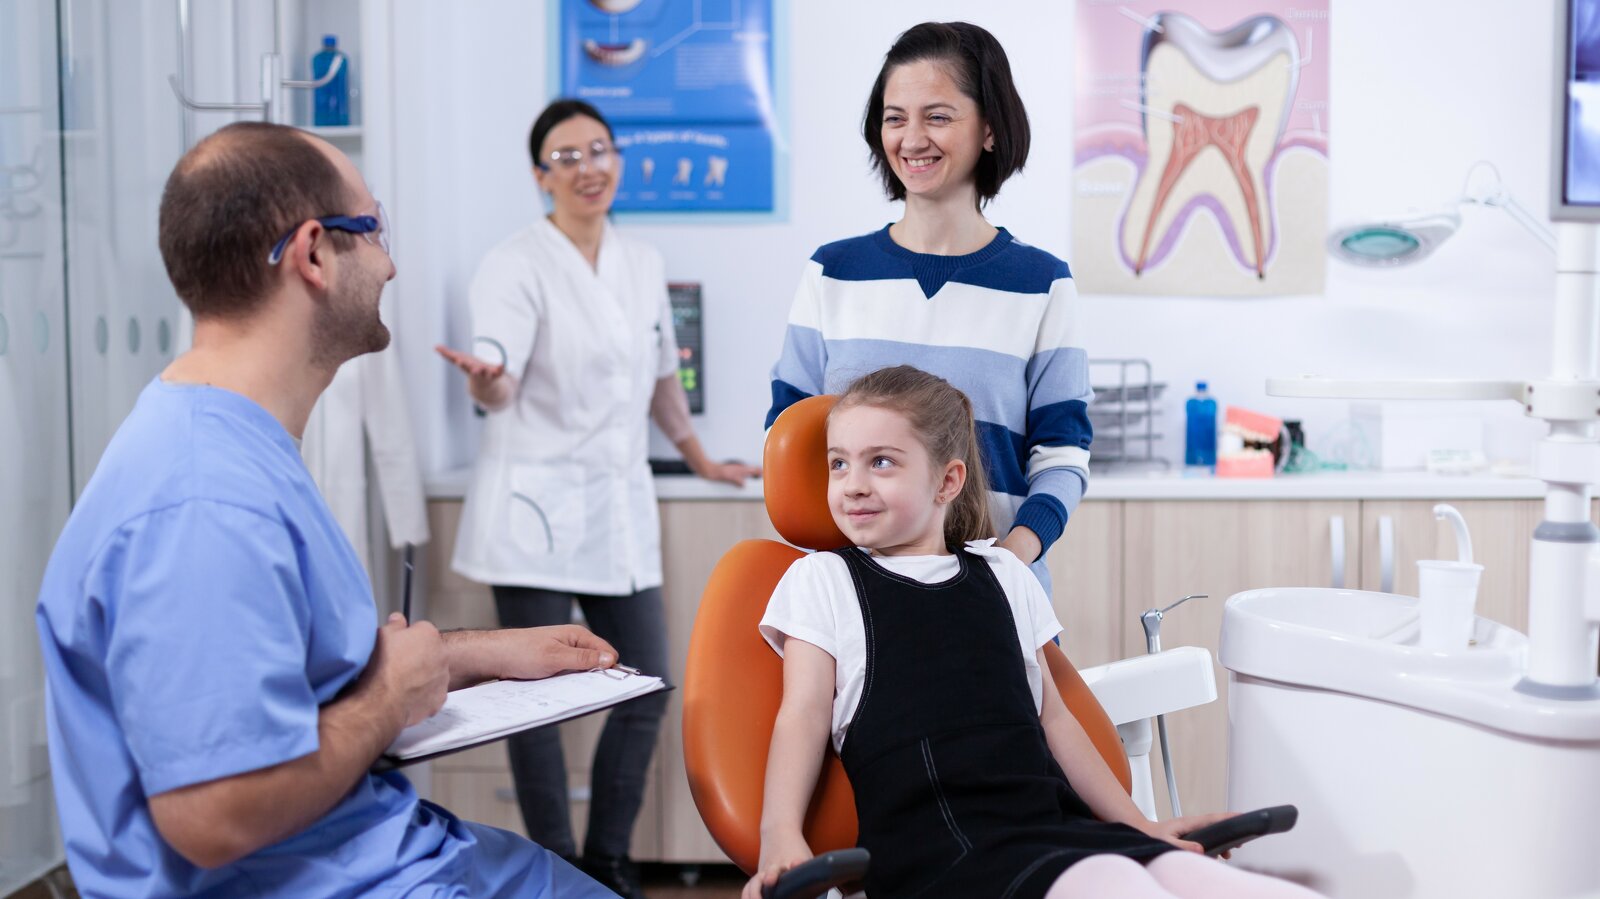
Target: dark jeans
(636,626)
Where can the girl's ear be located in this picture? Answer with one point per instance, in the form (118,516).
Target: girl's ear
(950,484)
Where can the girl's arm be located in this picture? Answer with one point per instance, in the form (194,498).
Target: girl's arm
(1092,779)
(799,741)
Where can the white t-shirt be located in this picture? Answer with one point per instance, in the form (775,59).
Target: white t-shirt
(816,602)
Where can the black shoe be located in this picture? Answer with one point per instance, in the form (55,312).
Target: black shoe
(616,873)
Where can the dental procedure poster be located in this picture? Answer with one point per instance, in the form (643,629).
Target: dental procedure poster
(688,88)
(1201,147)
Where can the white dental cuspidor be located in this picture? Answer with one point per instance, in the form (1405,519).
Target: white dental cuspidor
(1448,591)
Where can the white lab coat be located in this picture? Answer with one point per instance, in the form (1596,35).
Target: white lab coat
(364,410)
(561,497)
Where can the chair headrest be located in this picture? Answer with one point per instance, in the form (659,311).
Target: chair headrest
(795,476)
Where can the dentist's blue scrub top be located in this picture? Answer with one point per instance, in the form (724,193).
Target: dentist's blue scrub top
(199,607)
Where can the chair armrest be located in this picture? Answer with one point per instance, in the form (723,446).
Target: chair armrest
(1147,686)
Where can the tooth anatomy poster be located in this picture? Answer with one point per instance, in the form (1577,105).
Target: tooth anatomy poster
(688,88)
(1201,147)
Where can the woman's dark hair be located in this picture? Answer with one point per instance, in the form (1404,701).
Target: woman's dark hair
(978,65)
(556,113)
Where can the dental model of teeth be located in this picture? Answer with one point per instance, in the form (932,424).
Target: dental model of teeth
(1244,447)
(615,55)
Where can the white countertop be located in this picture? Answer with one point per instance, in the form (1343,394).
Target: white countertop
(1160,485)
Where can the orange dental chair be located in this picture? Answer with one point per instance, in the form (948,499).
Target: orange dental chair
(733,681)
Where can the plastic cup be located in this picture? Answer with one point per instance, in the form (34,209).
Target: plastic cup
(1448,591)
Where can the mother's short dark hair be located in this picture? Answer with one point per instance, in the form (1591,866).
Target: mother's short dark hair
(978,65)
(556,113)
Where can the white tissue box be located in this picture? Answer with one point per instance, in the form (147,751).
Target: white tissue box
(1399,436)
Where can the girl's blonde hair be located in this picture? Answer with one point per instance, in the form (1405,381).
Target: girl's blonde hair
(941,416)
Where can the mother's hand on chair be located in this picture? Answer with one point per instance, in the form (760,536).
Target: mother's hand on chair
(1173,829)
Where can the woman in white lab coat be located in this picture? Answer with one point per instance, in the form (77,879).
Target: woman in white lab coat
(573,350)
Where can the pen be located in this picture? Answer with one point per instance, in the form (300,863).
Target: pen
(405,580)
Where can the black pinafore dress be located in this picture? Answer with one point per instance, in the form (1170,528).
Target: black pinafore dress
(956,791)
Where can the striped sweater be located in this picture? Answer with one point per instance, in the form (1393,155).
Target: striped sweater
(996,323)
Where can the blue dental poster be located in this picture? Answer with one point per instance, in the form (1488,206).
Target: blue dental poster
(688,86)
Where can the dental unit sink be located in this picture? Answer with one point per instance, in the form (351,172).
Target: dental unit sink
(1419,773)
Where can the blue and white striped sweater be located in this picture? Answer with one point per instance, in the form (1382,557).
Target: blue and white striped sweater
(998,324)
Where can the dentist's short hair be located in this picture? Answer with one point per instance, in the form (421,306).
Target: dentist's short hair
(978,65)
(229,199)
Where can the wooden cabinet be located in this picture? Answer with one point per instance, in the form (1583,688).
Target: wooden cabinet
(1086,584)
(1175,548)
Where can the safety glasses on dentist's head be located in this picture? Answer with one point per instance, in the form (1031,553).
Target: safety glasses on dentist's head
(600,156)
(374,229)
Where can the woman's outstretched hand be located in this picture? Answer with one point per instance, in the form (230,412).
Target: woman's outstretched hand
(482,374)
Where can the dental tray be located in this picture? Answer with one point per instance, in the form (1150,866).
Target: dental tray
(1109,394)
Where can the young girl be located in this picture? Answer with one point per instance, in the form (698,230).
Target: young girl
(917,651)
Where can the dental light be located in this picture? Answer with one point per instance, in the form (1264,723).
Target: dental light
(1402,241)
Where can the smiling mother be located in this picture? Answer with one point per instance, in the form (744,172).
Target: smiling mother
(944,290)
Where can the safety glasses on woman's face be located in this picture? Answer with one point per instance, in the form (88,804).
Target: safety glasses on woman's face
(600,156)
(374,229)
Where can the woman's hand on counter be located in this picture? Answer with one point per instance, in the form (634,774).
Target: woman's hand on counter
(735,473)
(488,382)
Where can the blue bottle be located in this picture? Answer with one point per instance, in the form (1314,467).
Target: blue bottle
(331,104)
(1200,443)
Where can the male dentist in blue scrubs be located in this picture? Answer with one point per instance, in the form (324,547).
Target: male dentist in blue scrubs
(219,685)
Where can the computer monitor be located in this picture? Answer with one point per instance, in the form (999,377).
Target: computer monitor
(1575,168)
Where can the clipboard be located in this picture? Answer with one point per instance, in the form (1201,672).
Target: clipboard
(490,712)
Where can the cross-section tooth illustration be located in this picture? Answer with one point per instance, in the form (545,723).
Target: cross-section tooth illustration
(685,171)
(1214,106)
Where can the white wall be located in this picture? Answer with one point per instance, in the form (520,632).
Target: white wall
(1420,90)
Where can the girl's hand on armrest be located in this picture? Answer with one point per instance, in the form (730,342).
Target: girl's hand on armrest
(777,856)
(1173,829)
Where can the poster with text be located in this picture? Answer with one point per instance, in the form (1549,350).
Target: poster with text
(1201,147)
(688,87)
